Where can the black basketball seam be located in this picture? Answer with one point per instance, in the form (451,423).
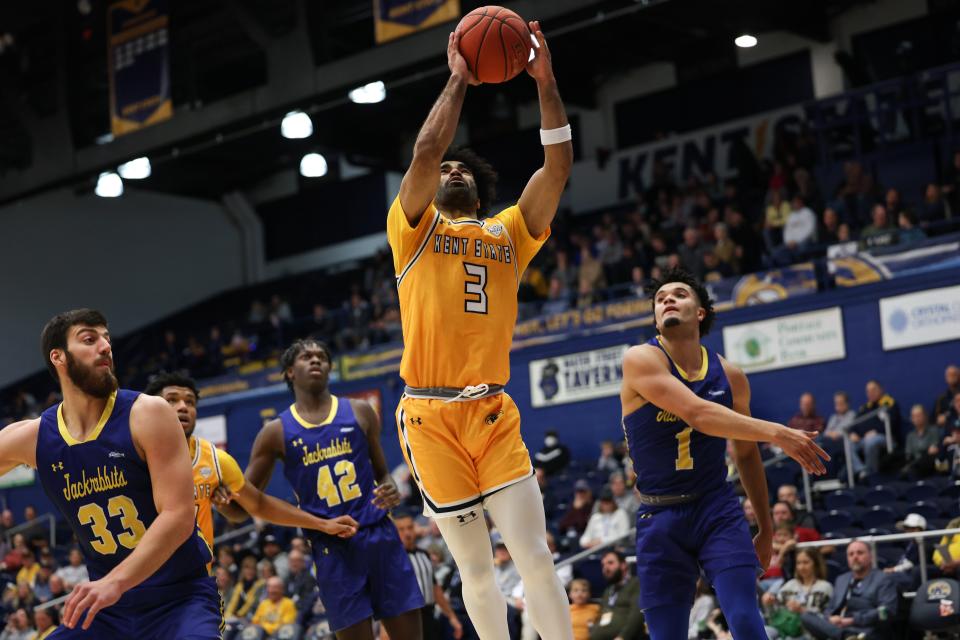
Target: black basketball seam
(506,60)
(476,63)
(519,35)
(478,21)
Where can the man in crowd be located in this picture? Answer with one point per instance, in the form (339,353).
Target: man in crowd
(802,518)
(944,401)
(620,615)
(862,602)
(300,585)
(869,436)
(276,610)
(554,456)
(808,419)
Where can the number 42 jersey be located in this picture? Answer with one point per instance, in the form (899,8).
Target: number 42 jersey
(328,464)
(457,282)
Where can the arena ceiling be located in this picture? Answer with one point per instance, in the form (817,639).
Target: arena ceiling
(238,65)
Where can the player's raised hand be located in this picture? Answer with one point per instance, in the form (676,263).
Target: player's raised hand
(341,526)
(456,61)
(541,67)
(800,446)
(90,597)
(386,496)
(222,496)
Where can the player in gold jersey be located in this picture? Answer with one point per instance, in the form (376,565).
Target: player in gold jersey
(214,468)
(457,278)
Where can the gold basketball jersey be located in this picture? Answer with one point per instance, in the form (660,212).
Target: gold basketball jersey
(212,468)
(457,282)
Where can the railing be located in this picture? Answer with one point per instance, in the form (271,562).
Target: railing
(30,524)
(236,533)
(873,540)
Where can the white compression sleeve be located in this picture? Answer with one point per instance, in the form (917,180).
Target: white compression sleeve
(517,512)
(470,546)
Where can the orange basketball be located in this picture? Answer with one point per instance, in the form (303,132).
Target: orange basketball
(495,43)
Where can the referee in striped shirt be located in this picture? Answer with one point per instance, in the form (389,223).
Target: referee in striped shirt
(432,592)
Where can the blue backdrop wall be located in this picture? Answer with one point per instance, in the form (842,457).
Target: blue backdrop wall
(911,375)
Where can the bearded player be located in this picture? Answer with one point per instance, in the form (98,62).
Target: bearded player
(457,278)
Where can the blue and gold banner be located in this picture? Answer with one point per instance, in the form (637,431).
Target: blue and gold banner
(138,61)
(879,264)
(397,18)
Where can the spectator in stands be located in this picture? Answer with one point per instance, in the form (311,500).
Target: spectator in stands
(942,406)
(608,461)
(57,588)
(75,572)
(781,562)
(724,247)
(583,613)
(19,626)
(574,522)
(862,602)
(869,436)
(713,269)
(946,555)
(554,456)
(799,233)
(749,242)
(45,620)
(880,233)
(807,592)
(266,570)
(691,252)
(923,445)
(620,614)
(273,552)
(625,496)
(19,595)
(893,202)
(300,585)
(829,227)
(609,523)
(787,493)
(934,207)
(777,212)
(30,568)
(591,276)
(6,522)
(906,572)
(276,610)
(949,456)
(808,419)
(783,514)
(246,592)
(224,582)
(841,417)
(565,272)
(703,603)
(558,299)
(750,516)
(41,588)
(909,231)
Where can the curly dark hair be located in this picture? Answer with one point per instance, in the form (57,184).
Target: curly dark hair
(290,356)
(163,380)
(703,296)
(483,174)
(54,334)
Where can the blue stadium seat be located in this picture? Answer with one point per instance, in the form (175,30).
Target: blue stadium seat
(878,516)
(951,490)
(948,506)
(879,531)
(880,494)
(928,510)
(589,569)
(920,491)
(839,499)
(782,473)
(835,520)
(834,569)
(888,555)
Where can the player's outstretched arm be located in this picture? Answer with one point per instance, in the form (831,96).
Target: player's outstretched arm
(158,436)
(267,448)
(420,183)
(647,373)
(18,444)
(746,455)
(540,198)
(386,495)
(259,504)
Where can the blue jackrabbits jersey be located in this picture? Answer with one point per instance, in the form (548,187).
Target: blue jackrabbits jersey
(669,456)
(102,487)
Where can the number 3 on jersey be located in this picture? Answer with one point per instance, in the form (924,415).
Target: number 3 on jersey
(475,288)
(104,542)
(347,475)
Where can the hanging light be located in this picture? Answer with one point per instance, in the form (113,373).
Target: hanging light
(136,169)
(109,185)
(370,93)
(296,125)
(313,165)
(745,41)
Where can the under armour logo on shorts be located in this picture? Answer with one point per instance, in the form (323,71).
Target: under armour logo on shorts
(493,417)
(416,421)
(467,518)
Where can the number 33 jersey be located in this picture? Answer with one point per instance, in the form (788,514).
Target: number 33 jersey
(328,464)
(102,487)
(457,282)
(669,456)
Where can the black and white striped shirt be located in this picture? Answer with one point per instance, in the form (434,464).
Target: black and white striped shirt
(423,568)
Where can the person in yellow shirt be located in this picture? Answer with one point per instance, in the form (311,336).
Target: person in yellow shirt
(946,555)
(457,278)
(276,610)
(583,613)
(214,468)
(28,572)
(46,621)
(246,592)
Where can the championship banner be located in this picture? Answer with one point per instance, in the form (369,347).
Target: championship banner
(787,341)
(138,63)
(577,376)
(397,18)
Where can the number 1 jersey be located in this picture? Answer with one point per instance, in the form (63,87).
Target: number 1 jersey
(457,281)
(328,464)
(102,487)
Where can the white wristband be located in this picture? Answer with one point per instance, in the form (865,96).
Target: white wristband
(555,136)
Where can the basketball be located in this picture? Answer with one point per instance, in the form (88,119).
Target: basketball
(495,43)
